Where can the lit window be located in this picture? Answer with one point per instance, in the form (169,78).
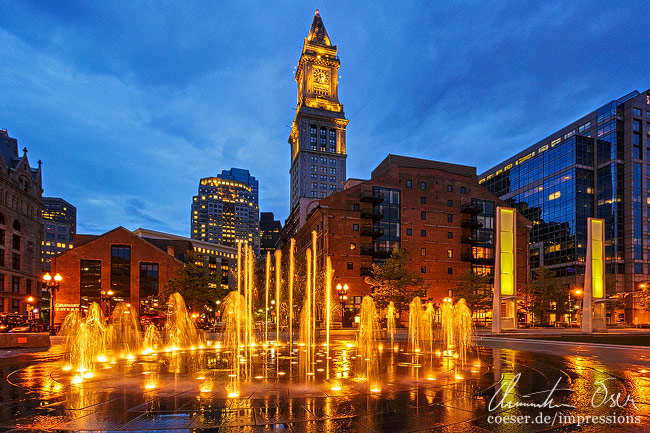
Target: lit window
(353,246)
(450,253)
(554,195)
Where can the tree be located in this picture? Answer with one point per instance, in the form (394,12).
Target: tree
(548,296)
(476,289)
(199,285)
(393,282)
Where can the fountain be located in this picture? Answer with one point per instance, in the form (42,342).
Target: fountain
(463,329)
(87,340)
(278,284)
(367,341)
(415,323)
(152,341)
(235,318)
(126,330)
(390,323)
(180,330)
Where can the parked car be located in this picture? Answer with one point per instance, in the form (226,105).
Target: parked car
(20,328)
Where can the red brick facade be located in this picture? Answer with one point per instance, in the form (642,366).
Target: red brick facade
(440,193)
(68,265)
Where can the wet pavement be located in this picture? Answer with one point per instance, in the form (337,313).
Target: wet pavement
(502,382)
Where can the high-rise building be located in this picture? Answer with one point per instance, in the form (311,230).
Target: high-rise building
(224,212)
(270,229)
(597,166)
(21,229)
(59,228)
(435,211)
(317,139)
(244,176)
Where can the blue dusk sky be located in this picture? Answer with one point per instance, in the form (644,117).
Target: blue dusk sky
(130,103)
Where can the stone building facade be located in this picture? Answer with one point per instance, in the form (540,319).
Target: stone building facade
(21,228)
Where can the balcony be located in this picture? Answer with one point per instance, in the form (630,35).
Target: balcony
(471,223)
(371,197)
(373,214)
(366,271)
(471,208)
(376,252)
(375,232)
(469,240)
(469,257)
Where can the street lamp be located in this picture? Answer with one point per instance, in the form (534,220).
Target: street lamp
(107,296)
(343,297)
(52,283)
(30,308)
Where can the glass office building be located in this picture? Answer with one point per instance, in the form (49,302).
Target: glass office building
(597,166)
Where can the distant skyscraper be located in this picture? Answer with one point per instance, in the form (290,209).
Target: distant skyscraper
(596,166)
(59,228)
(242,175)
(269,232)
(225,211)
(318,131)
(21,228)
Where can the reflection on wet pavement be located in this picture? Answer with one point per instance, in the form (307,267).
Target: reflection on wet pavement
(186,392)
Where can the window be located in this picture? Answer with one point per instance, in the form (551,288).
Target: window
(355,227)
(423,200)
(636,125)
(463,190)
(450,254)
(450,271)
(17,225)
(90,281)
(450,235)
(149,279)
(28,286)
(423,251)
(350,266)
(423,185)
(15,305)
(15,284)
(450,218)
(409,232)
(409,183)
(423,269)
(16,242)
(450,188)
(355,206)
(423,233)
(636,111)
(423,215)
(638,268)
(15,261)
(333,170)
(450,203)
(121,271)
(2,283)
(353,246)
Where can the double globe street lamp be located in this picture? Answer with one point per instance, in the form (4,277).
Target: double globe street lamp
(343,297)
(52,283)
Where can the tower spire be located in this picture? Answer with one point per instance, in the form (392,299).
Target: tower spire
(317,33)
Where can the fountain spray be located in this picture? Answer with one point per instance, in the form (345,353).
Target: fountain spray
(278,265)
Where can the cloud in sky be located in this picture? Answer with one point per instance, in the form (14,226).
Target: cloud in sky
(130,103)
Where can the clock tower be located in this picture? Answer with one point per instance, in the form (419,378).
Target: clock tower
(318,131)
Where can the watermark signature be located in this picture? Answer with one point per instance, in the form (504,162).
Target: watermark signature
(505,397)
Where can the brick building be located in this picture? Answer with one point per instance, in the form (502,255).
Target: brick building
(436,211)
(21,228)
(117,260)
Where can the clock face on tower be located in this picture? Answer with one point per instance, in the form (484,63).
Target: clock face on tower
(321,76)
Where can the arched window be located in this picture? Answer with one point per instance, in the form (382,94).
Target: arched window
(17,225)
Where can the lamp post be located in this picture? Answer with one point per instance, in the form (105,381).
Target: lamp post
(343,297)
(107,296)
(52,283)
(30,308)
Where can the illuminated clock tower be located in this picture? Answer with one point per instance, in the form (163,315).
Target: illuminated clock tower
(318,131)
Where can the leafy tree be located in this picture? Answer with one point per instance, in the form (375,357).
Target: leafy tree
(476,289)
(548,296)
(199,285)
(393,282)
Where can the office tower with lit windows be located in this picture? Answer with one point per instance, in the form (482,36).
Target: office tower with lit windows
(224,212)
(59,228)
(21,229)
(270,229)
(317,139)
(244,176)
(597,166)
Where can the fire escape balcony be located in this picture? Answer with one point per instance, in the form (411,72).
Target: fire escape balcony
(371,250)
(375,232)
(471,208)
(371,197)
(471,223)
(372,214)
